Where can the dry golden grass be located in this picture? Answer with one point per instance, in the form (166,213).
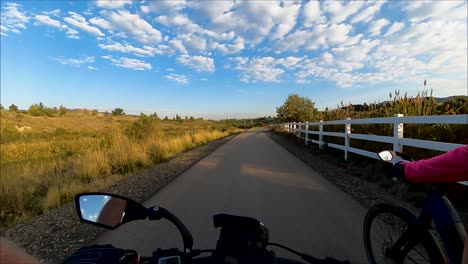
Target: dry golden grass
(99,153)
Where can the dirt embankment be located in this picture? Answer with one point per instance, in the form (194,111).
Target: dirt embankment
(364,179)
(55,235)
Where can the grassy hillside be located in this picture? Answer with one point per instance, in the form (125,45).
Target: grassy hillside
(46,160)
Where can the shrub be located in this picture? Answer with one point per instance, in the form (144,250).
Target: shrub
(41,110)
(141,128)
(13,108)
(62,110)
(118,111)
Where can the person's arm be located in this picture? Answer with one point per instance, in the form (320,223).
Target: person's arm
(112,212)
(11,253)
(448,167)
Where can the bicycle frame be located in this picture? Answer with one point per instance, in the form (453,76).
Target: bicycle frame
(448,224)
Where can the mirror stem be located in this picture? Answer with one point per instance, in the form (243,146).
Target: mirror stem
(156,213)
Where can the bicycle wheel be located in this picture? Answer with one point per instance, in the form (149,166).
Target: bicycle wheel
(383,226)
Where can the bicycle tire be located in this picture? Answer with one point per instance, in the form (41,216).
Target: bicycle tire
(431,247)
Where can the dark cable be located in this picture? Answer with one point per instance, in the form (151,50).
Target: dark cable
(286,248)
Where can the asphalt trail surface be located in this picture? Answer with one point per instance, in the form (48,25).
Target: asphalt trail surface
(253,176)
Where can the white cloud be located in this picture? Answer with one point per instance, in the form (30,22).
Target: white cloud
(102,23)
(327,58)
(339,13)
(338,33)
(289,62)
(46,20)
(395,27)
(177,78)
(177,45)
(193,41)
(377,26)
(135,25)
(55,12)
(236,46)
(198,63)
(71,33)
(91,68)
(204,11)
(13,19)
(111,4)
(264,69)
(134,64)
(256,19)
(74,62)
(368,13)
(145,9)
(169,7)
(81,23)
(320,36)
(312,13)
(127,48)
(177,20)
(418,11)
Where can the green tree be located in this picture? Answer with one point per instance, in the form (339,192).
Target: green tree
(118,111)
(296,109)
(62,110)
(154,116)
(166,118)
(1,107)
(13,108)
(37,109)
(192,118)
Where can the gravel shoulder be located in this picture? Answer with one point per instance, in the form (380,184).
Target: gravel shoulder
(58,233)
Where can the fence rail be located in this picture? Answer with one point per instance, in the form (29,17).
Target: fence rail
(397,139)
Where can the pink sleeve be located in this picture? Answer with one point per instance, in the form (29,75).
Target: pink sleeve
(448,167)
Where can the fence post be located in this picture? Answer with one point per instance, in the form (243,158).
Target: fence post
(347,132)
(306,133)
(397,133)
(320,134)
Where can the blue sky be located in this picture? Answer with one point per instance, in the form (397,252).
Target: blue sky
(219,59)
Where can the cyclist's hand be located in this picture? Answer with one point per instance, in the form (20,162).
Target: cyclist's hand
(97,254)
(397,174)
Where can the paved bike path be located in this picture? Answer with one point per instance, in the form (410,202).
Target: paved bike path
(253,176)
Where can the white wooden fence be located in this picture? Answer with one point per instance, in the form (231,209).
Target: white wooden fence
(397,139)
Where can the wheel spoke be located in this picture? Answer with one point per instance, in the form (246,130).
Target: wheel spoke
(385,228)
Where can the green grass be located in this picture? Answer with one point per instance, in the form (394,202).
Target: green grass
(59,157)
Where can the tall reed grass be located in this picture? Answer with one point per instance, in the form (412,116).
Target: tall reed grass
(421,105)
